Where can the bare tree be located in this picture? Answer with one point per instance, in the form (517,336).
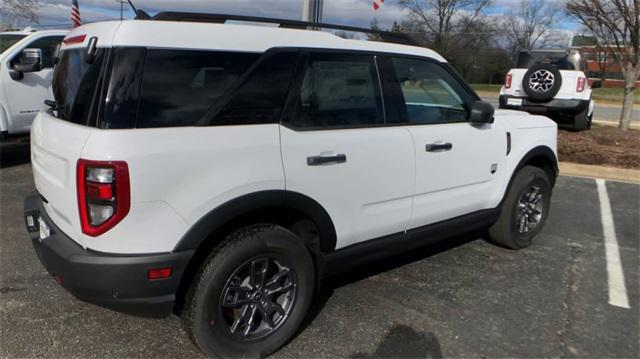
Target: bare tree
(443,19)
(616,25)
(14,10)
(530,24)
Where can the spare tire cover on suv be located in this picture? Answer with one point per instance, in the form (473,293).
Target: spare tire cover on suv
(542,82)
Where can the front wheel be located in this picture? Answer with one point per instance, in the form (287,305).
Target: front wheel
(252,294)
(524,210)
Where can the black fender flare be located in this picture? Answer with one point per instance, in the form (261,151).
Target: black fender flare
(256,201)
(539,151)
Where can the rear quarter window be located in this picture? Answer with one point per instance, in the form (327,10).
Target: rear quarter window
(179,87)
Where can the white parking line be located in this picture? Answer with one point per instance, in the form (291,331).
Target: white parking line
(615,275)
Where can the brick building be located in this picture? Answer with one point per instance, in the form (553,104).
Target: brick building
(600,64)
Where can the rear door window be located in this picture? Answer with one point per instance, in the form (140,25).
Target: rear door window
(338,90)
(180,86)
(261,98)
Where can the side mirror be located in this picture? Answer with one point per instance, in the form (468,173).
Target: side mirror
(481,113)
(30,61)
(596,84)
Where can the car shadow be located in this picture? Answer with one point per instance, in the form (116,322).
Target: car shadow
(380,266)
(15,152)
(328,285)
(402,341)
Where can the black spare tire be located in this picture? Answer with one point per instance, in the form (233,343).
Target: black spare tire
(542,82)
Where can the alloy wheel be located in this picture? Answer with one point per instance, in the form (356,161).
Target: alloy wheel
(258,298)
(541,81)
(529,212)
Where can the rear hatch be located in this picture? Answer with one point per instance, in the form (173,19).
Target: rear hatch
(55,148)
(59,135)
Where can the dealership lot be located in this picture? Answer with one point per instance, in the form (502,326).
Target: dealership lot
(464,297)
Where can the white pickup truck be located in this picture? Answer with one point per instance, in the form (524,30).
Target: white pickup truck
(24,86)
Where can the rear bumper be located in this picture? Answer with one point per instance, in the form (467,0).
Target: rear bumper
(559,106)
(117,282)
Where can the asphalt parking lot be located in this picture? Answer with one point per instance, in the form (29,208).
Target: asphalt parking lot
(461,298)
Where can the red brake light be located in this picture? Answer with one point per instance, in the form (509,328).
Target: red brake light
(159,273)
(78,39)
(581,84)
(507,81)
(104,197)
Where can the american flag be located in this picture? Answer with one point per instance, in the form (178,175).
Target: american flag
(75,14)
(377,4)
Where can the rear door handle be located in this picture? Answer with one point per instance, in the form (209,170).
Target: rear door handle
(324,160)
(435,147)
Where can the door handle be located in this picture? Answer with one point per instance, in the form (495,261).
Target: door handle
(436,147)
(326,159)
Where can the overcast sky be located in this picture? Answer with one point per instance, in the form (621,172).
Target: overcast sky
(346,12)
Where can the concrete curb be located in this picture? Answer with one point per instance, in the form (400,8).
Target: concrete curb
(614,123)
(590,171)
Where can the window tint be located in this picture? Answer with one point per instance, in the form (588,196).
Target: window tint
(7,40)
(431,94)
(74,84)
(261,98)
(178,87)
(339,90)
(123,90)
(47,45)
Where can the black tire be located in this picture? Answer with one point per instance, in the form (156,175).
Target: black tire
(539,94)
(209,324)
(506,232)
(582,120)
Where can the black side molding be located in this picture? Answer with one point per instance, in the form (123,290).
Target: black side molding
(358,254)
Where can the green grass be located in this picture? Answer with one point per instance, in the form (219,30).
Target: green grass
(486,87)
(613,95)
(608,95)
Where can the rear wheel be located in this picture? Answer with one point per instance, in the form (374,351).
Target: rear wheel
(252,294)
(524,210)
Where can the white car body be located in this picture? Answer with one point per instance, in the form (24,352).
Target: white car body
(570,103)
(184,182)
(358,213)
(21,99)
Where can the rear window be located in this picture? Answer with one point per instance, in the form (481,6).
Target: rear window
(75,83)
(563,60)
(151,88)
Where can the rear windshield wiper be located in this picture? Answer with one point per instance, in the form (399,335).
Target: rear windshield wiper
(54,107)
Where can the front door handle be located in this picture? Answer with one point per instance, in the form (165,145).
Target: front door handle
(436,147)
(324,160)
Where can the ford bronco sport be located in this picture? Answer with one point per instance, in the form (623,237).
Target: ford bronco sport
(220,171)
(550,82)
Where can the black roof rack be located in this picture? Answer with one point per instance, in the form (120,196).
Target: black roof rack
(387,36)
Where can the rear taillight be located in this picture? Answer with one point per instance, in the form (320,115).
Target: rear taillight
(581,83)
(104,196)
(78,39)
(507,81)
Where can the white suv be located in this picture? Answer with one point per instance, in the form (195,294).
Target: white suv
(220,171)
(24,84)
(550,82)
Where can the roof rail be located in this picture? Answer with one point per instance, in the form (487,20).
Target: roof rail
(387,36)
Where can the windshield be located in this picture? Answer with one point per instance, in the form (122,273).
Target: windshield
(74,83)
(7,40)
